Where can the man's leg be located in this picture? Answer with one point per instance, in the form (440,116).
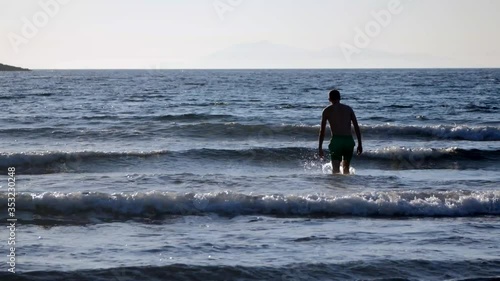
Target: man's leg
(346,167)
(335,166)
(347,152)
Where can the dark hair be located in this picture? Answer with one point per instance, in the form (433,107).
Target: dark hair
(334,95)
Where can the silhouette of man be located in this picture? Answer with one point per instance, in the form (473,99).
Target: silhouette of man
(342,144)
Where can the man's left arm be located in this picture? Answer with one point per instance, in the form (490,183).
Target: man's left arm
(322,135)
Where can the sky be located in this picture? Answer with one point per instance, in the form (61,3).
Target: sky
(173,34)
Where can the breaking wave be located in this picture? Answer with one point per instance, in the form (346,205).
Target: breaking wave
(155,203)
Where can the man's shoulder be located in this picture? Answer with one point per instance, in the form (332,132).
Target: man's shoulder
(346,106)
(328,109)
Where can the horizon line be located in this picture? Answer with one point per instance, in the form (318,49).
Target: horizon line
(279,68)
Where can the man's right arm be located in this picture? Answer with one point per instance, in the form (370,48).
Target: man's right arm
(358,132)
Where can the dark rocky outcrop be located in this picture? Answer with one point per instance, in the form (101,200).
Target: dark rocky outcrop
(4,67)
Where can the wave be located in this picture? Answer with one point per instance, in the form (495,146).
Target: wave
(452,153)
(312,89)
(310,132)
(471,107)
(55,162)
(51,161)
(201,128)
(410,269)
(250,131)
(155,203)
(197,117)
(476,133)
(404,158)
(400,106)
(193,117)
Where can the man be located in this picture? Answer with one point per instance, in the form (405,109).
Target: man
(341,146)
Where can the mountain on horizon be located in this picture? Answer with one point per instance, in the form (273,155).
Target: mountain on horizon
(4,67)
(265,54)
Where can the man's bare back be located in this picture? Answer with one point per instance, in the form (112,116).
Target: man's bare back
(340,117)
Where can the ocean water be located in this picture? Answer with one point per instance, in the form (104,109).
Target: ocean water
(212,175)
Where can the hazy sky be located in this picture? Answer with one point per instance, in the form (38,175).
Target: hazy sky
(249,33)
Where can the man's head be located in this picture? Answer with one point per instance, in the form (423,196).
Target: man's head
(334,96)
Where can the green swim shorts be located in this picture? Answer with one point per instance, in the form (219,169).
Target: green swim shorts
(341,146)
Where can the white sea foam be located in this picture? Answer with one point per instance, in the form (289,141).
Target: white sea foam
(460,132)
(406,152)
(409,203)
(328,168)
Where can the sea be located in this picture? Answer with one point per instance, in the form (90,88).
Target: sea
(214,175)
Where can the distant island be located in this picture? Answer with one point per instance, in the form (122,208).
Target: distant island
(4,67)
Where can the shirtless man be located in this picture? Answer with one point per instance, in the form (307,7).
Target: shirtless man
(342,144)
